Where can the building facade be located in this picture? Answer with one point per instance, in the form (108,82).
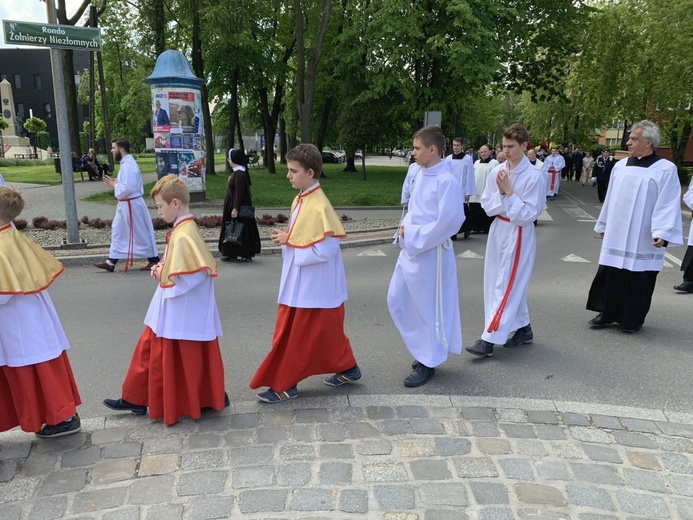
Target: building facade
(29,72)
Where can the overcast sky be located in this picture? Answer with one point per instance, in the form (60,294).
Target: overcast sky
(29,11)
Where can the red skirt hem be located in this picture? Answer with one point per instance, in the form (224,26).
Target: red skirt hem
(175,378)
(34,395)
(306,342)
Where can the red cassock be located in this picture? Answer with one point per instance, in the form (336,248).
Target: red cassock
(36,394)
(175,378)
(306,342)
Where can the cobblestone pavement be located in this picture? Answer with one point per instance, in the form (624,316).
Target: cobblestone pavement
(360,457)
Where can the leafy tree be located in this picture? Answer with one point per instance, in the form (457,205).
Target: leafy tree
(3,124)
(34,125)
(635,63)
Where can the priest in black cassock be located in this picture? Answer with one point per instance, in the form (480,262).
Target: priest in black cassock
(640,217)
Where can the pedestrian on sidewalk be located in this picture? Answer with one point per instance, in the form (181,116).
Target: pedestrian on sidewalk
(132,232)
(309,334)
(423,297)
(37,389)
(640,217)
(687,264)
(176,369)
(515,192)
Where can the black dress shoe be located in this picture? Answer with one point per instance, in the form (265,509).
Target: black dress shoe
(632,330)
(522,336)
(481,348)
(123,406)
(598,321)
(227,403)
(419,376)
(684,287)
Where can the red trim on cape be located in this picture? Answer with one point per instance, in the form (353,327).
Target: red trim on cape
(331,233)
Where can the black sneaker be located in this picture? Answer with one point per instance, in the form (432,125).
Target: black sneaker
(122,405)
(227,403)
(481,348)
(419,376)
(598,321)
(342,378)
(684,287)
(72,425)
(522,336)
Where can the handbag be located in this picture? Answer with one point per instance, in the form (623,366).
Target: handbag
(234,233)
(247,212)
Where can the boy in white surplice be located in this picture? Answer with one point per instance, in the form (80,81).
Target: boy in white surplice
(423,298)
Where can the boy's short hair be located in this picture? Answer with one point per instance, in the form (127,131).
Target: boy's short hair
(431,135)
(308,156)
(458,140)
(516,132)
(122,143)
(11,203)
(171,187)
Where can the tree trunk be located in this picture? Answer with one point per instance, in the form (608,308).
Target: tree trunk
(199,69)
(241,145)
(320,142)
(233,114)
(269,128)
(679,138)
(300,67)
(71,101)
(159,27)
(282,138)
(363,163)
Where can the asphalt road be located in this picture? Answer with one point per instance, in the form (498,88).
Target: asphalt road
(102,314)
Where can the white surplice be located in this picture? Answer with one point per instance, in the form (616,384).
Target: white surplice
(423,298)
(463,170)
(191,296)
(522,208)
(312,277)
(409,181)
(641,204)
(30,331)
(557,163)
(688,199)
(129,186)
(481,171)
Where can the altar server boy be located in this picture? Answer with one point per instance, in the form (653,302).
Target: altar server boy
(309,334)
(37,389)
(176,369)
(422,297)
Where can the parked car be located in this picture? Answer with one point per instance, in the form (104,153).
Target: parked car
(358,154)
(329,157)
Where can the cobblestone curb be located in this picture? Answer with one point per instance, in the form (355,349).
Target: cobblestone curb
(367,457)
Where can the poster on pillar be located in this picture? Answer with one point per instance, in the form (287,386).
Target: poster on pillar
(179,134)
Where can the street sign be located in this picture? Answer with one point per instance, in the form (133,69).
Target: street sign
(51,35)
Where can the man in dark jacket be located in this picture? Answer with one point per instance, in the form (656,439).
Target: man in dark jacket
(602,171)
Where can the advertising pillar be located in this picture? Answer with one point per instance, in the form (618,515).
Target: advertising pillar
(177,121)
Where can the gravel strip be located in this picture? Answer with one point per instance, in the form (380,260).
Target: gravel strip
(93,236)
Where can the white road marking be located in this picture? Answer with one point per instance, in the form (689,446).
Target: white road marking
(469,254)
(372,252)
(575,258)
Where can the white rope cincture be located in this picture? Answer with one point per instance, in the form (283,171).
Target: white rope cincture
(440,319)
(401,219)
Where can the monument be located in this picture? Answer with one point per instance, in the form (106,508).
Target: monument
(11,142)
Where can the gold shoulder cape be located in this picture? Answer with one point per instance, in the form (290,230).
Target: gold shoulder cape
(25,268)
(316,219)
(187,253)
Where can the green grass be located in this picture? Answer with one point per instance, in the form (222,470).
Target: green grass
(382,188)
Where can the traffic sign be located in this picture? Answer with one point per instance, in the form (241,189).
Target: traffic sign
(52,35)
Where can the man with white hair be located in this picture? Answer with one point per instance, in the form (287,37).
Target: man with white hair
(640,217)
(480,221)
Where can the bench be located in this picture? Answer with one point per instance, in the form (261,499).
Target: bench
(26,156)
(253,160)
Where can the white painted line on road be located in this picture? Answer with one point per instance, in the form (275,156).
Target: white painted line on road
(372,252)
(672,258)
(469,254)
(545,216)
(667,264)
(578,213)
(587,220)
(572,198)
(575,258)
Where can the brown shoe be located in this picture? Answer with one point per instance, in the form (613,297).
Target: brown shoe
(148,267)
(105,265)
